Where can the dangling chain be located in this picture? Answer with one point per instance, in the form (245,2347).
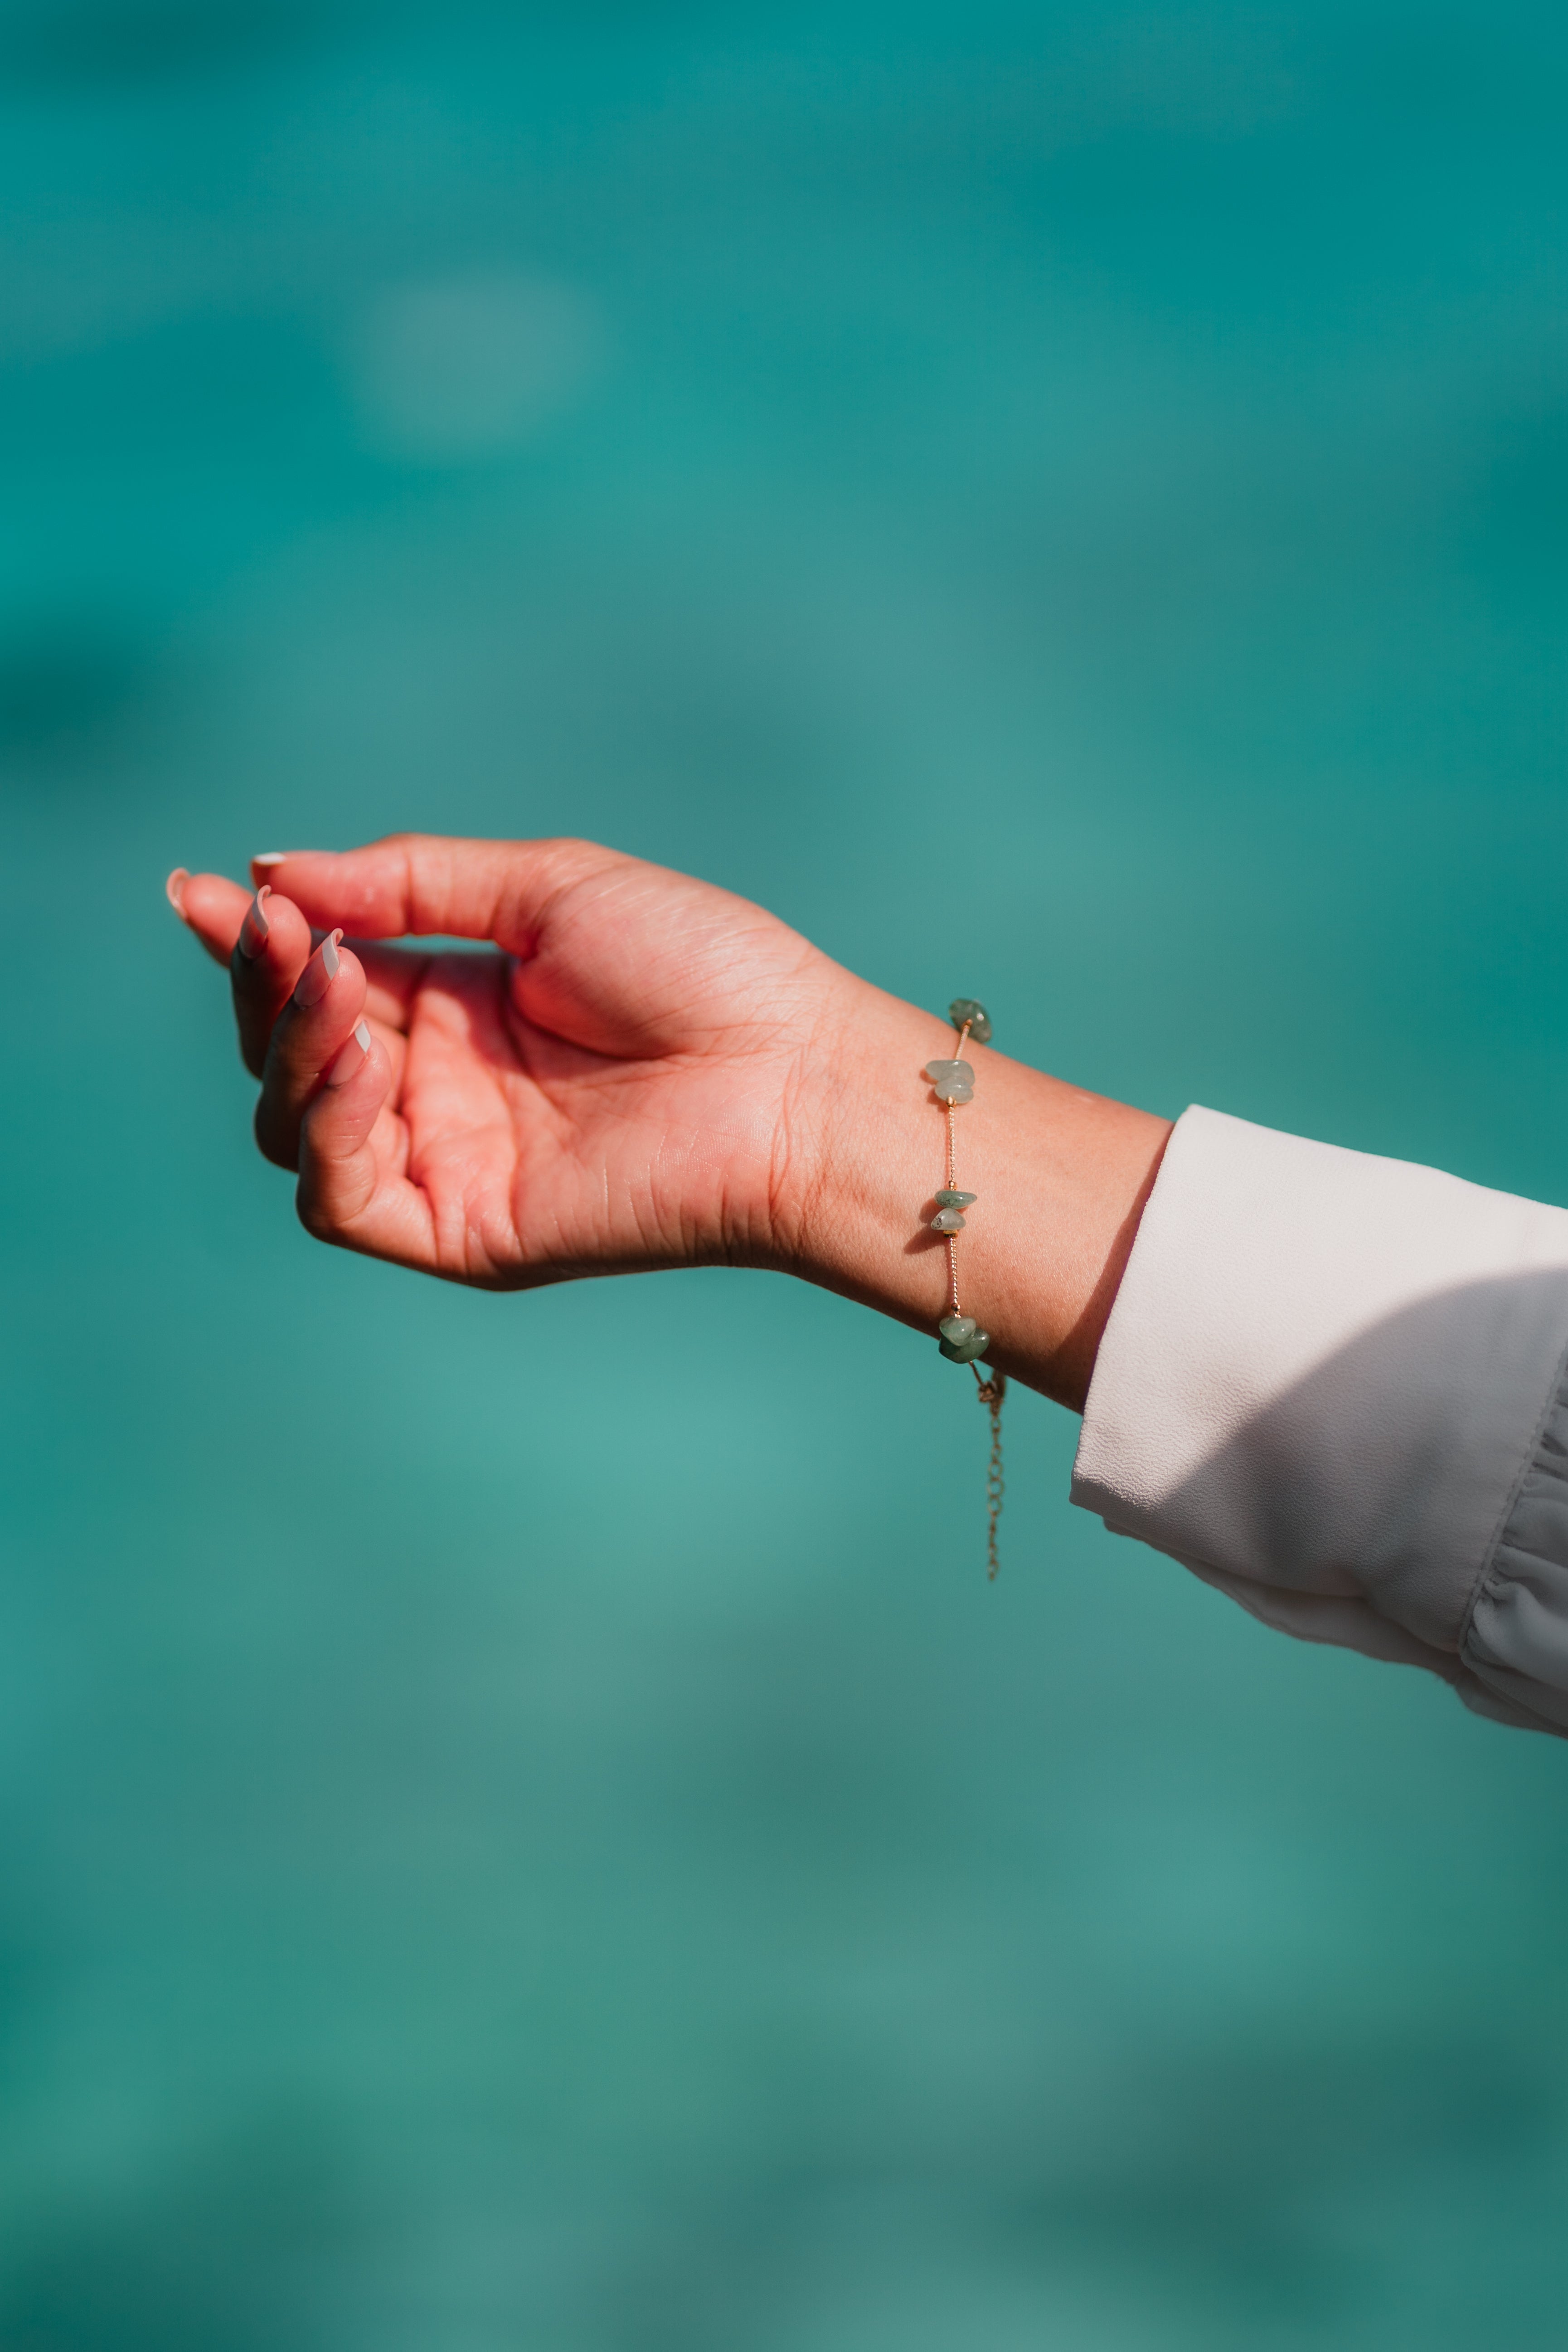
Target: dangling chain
(991,1392)
(962,1341)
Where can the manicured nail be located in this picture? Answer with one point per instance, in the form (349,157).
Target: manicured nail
(253,931)
(350,1058)
(320,972)
(274,857)
(174,890)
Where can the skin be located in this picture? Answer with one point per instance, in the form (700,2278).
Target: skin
(651,1072)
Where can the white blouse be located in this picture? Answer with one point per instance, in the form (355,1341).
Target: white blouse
(1337,1387)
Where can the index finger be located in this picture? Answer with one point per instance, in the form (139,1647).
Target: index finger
(231,923)
(264,941)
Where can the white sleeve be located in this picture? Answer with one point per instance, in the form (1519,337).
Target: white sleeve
(1337,1386)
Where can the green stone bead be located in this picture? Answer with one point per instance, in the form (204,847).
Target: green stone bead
(951,1081)
(958,1328)
(965,1351)
(968,1008)
(948,1221)
(948,1199)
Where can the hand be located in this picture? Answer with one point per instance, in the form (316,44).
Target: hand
(622,1086)
(651,1072)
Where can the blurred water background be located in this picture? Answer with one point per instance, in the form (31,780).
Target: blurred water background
(523,1828)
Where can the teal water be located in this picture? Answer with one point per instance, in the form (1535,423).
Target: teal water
(523,1828)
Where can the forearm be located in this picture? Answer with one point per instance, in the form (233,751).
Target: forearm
(1061,1178)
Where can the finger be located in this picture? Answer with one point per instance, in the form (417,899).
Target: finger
(309,1032)
(264,940)
(215,909)
(211,905)
(425,883)
(353,1191)
(272,952)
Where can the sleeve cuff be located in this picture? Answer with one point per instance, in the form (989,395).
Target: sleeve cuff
(1516,1640)
(1324,1382)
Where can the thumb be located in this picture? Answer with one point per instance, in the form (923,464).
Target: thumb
(421,882)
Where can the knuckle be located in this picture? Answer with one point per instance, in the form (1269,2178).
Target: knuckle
(314,1215)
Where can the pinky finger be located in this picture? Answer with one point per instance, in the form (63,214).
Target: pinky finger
(351,1191)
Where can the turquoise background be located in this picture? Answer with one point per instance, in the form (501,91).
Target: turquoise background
(523,1828)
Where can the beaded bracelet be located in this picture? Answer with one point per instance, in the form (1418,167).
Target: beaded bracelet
(961,1339)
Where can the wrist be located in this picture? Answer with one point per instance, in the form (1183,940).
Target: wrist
(1060,1175)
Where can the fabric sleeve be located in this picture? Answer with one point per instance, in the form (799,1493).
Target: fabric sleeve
(1336,1386)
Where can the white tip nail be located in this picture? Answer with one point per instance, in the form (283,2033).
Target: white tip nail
(255,928)
(329,957)
(273,856)
(350,1058)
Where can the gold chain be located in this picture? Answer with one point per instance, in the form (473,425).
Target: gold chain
(993,1391)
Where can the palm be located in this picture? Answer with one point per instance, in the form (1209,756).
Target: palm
(609,1092)
(556,1124)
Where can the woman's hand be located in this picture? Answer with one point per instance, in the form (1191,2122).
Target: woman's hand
(622,1086)
(651,1072)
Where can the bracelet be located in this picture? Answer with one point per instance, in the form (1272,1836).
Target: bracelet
(960,1337)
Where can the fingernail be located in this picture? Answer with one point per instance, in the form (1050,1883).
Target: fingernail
(350,1058)
(274,857)
(320,972)
(174,890)
(253,931)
